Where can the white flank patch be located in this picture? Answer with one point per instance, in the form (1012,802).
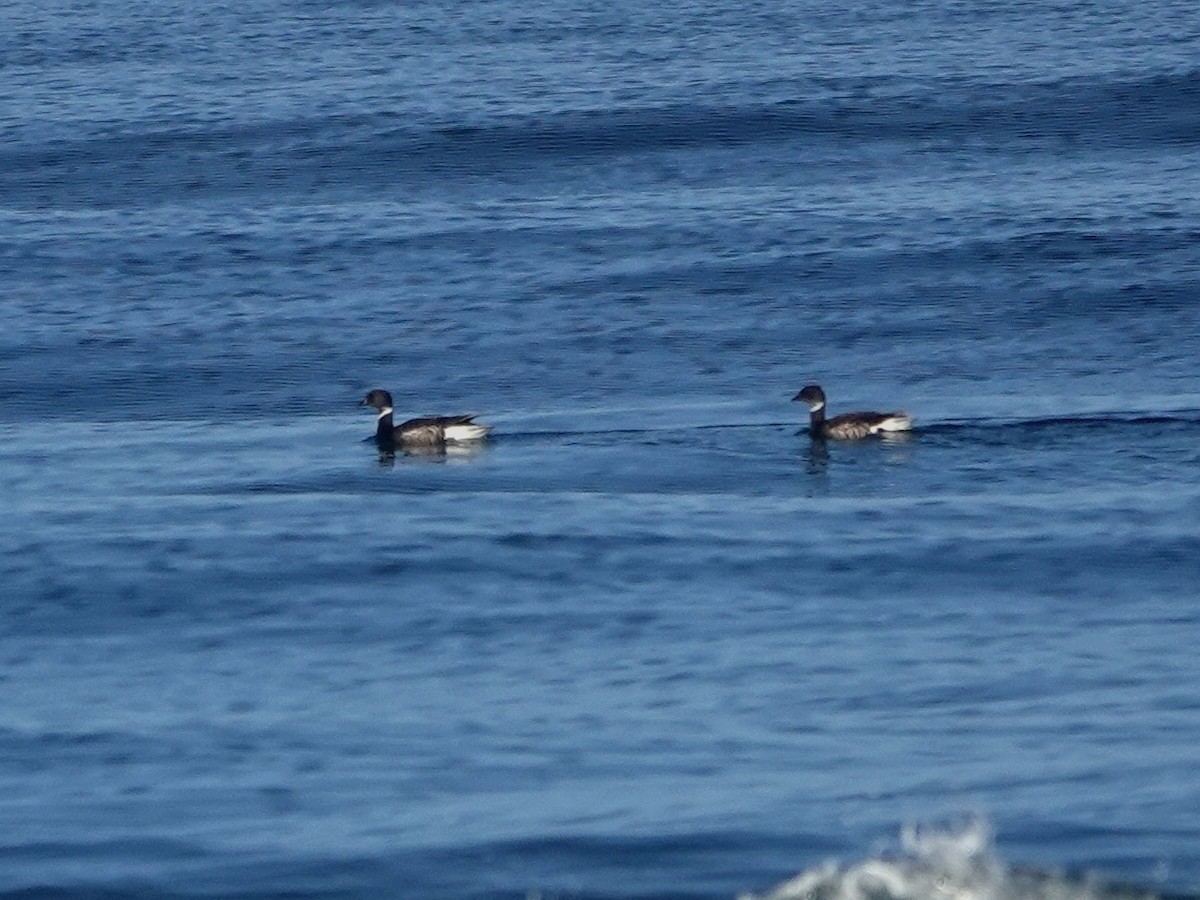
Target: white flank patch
(386,411)
(898,422)
(466,432)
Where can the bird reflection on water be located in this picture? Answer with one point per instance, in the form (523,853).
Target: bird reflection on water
(450,453)
(816,454)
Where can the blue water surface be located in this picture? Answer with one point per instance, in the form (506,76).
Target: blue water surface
(650,640)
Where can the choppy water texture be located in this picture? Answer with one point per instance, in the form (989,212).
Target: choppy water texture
(649,641)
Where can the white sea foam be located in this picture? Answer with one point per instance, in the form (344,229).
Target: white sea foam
(932,864)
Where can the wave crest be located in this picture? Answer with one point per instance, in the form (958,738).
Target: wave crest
(941,864)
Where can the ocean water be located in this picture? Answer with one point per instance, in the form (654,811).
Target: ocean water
(650,640)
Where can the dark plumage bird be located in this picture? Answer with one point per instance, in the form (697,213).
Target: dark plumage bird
(848,426)
(429,433)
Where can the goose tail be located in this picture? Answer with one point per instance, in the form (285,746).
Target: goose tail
(897,421)
(468,431)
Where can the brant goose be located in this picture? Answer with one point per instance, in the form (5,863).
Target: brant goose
(431,432)
(848,426)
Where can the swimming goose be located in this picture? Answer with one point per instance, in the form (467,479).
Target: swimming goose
(848,426)
(428,432)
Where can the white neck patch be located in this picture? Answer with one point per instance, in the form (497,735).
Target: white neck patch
(386,411)
(818,406)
